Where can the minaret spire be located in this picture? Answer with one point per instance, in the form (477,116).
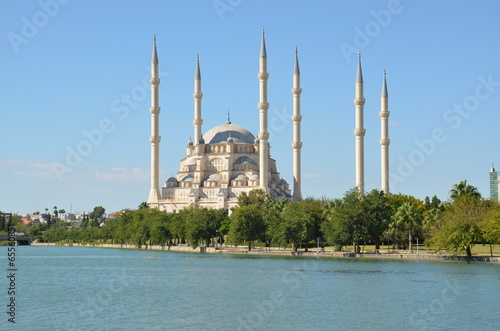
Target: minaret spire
(263,107)
(154,139)
(384,136)
(359,131)
(197,95)
(296,118)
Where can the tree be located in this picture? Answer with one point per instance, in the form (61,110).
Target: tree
(144,205)
(491,227)
(257,196)
(301,221)
(202,224)
(346,222)
(464,189)
(272,219)
(160,223)
(247,224)
(97,214)
(459,227)
(408,216)
(378,214)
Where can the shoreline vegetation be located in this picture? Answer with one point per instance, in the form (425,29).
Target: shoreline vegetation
(312,252)
(361,224)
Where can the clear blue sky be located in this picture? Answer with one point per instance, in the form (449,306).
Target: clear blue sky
(74,80)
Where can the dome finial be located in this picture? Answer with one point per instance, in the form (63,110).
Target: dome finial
(228,117)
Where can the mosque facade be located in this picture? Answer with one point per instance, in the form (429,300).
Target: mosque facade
(226,160)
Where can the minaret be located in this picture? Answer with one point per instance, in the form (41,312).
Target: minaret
(296,118)
(359,131)
(197,95)
(263,106)
(384,136)
(154,193)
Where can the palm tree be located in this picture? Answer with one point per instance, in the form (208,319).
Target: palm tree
(409,216)
(464,189)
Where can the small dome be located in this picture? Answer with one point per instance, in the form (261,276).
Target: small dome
(214,178)
(221,133)
(282,181)
(244,160)
(188,179)
(202,140)
(191,161)
(230,139)
(256,141)
(190,142)
(241,177)
(172,180)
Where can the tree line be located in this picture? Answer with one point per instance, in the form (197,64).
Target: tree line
(356,219)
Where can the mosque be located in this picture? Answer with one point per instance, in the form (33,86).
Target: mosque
(228,159)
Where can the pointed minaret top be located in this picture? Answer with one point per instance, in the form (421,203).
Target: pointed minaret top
(228,117)
(263,46)
(492,168)
(197,74)
(359,76)
(155,56)
(384,87)
(296,69)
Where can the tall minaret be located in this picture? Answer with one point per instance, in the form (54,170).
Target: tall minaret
(197,95)
(263,106)
(359,131)
(154,193)
(296,118)
(384,136)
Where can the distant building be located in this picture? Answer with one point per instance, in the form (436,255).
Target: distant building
(493,184)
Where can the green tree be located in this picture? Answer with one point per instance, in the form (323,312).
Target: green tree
(272,219)
(408,216)
(464,189)
(97,215)
(301,221)
(247,224)
(378,214)
(459,227)
(346,223)
(160,227)
(257,196)
(491,226)
(202,225)
(144,205)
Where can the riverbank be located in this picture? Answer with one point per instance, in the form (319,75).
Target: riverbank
(282,252)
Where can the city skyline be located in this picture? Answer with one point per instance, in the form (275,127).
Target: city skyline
(76,81)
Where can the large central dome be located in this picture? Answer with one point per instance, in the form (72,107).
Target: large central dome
(221,133)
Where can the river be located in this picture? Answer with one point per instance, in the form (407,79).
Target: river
(80,288)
